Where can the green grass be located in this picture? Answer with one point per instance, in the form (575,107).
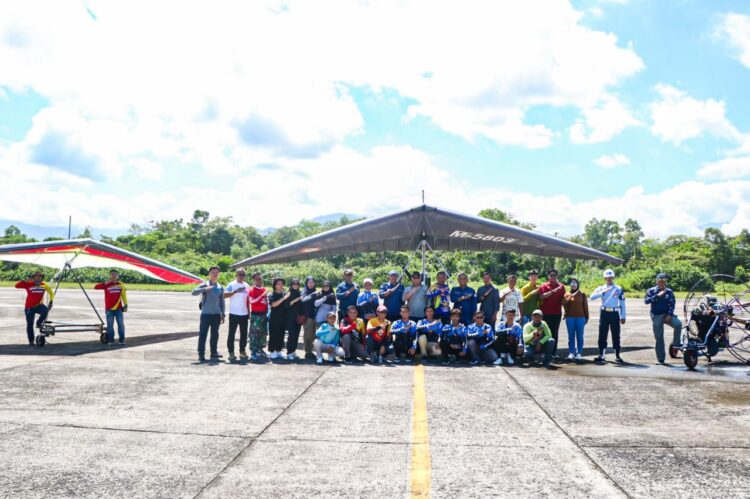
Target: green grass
(131,287)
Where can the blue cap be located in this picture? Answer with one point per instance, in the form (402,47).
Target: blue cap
(392,272)
(662,275)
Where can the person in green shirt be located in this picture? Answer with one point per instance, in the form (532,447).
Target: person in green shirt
(537,339)
(531,299)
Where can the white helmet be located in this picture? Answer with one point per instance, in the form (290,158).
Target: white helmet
(609,273)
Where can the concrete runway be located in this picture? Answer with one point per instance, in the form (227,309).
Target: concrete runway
(78,418)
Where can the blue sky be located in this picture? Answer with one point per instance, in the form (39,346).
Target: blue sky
(557,111)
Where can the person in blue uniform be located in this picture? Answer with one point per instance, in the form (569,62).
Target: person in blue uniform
(404,336)
(508,339)
(464,298)
(662,302)
(453,341)
(480,338)
(346,293)
(439,297)
(392,294)
(367,301)
(488,298)
(611,316)
(428,333)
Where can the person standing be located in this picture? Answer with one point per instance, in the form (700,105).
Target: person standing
(537,339)
(576,307)
(392,294)
(36,289)
(279,301)
(367,301)
(415,296)
(308,306)
(464,298)
(530,295)
(488,298)
(551,294)
(212,313)
(258,303)
(325,301)
(346,293)
(612,314)
(662,302)
(239,313)
(439,296)
(511,297)
(296,318)
(115,304)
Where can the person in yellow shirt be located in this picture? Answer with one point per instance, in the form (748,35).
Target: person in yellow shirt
(35,288)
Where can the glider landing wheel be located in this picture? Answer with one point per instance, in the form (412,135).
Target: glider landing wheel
(40,340)
(103,338)
(690,358)
(673,351)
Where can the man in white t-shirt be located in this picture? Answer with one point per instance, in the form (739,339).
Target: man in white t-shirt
(511,297)
(236,291)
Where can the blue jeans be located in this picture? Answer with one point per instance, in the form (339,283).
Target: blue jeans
(212,322)
(657,322)
(575,327)
(112,316)
(525,319)
(547,349)
(42,310)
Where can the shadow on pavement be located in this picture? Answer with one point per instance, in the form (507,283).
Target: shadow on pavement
(73,348)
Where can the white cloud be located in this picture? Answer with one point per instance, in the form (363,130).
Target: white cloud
(612,160)
(602,122)
(678,117)
(735,29)
(727,168)
(147,169)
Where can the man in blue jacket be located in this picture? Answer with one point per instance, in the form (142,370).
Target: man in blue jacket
(346,293)
(464,298)
(662,302)
(392,294)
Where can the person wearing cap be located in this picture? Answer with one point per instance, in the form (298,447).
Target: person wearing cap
(367,301)
(488,298)
(530,295)
(353,331)
(551,294)
(481,337)
(464,298)
(295,319)
(346,293)
(428,333)
(36,289)
(378,336)
(278,320)
(415,296)
(115,304)
(239,313)
(257,300)
(327,339)
(662,302)
(537,339)
(508,339)
(453,340)
(576,307)
(611,316)
(392,294)
(439,297)
(404,336)
(308,305)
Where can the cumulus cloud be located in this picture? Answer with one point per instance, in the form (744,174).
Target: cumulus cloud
(602,122)
(612,160)
(727,168)
(735,29)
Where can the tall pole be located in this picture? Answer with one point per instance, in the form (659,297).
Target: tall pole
(423,245)
(70,221)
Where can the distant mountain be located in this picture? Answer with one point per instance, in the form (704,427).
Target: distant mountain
(40,232)
(332,217)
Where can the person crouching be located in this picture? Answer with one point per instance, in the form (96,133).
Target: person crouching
(428,333)
(353,335)
(537,339)
(453,342)
(508,339)
(404,336)
(378,336)
(481,337)
(327,340)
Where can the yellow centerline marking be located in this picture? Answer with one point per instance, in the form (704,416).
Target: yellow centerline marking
(421,466)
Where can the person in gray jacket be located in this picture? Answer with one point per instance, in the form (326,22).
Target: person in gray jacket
(325,301)
(212,313)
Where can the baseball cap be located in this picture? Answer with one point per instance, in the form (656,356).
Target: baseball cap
(661,276)
(381,308)
(609,273)
(537,312)
(366,281)
(392,272)
(331,313)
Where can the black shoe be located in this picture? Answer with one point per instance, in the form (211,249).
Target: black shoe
(347,360)
(599,358)
(201,358)
(310,356)
(216,356)
(619,360)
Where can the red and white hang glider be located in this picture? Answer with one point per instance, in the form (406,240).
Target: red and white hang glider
(80,253)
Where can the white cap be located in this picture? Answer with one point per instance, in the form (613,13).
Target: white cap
(366,281)
(609,273)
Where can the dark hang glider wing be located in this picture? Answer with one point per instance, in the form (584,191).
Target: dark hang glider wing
(442,229)
(90,253)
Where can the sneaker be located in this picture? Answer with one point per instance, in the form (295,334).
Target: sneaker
(374,358)
(571,356)
(600,358)
(499,361)
(347,360)
(319,360)
(509,360)
(310,356)
(254,356)
(292,356)
(243,354)
(474,362)
(545,364)
(446,362)
(231,356)
(216,356)
(122,343)
(380,359)
(201,358)
(272,356)
(555,357)
(409,359)
(619,360)
(578,357)
(331,357)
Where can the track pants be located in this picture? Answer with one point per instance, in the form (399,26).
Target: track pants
(609,321)
(447,348)
(657,322)
(352,347)
(487,355)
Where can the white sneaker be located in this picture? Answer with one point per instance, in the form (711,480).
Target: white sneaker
(571,356)
(509,360)
(499,361)
(578,357)
(272,356)
(292,356)
(331,357)
(319,360)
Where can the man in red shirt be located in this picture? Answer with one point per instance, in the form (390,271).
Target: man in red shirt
(115,304)
(551,294)
(35,290)
(257,300)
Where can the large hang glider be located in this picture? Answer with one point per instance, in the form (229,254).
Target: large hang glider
(426,228)
(71,254)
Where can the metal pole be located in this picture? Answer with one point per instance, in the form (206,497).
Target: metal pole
(78,280)
(424,260)
(70,221)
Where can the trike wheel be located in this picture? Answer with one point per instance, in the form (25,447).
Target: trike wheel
(690,358)
(40,340)
(103,338)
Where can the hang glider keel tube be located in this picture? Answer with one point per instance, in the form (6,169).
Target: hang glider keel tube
(50,328)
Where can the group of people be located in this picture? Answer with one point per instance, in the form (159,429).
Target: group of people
(402,322)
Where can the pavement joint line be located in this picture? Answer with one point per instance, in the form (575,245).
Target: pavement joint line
(133,430)
(265,429)
(675,447)
(554,421)
(420,466)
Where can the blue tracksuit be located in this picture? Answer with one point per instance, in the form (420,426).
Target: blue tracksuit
(468,306)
